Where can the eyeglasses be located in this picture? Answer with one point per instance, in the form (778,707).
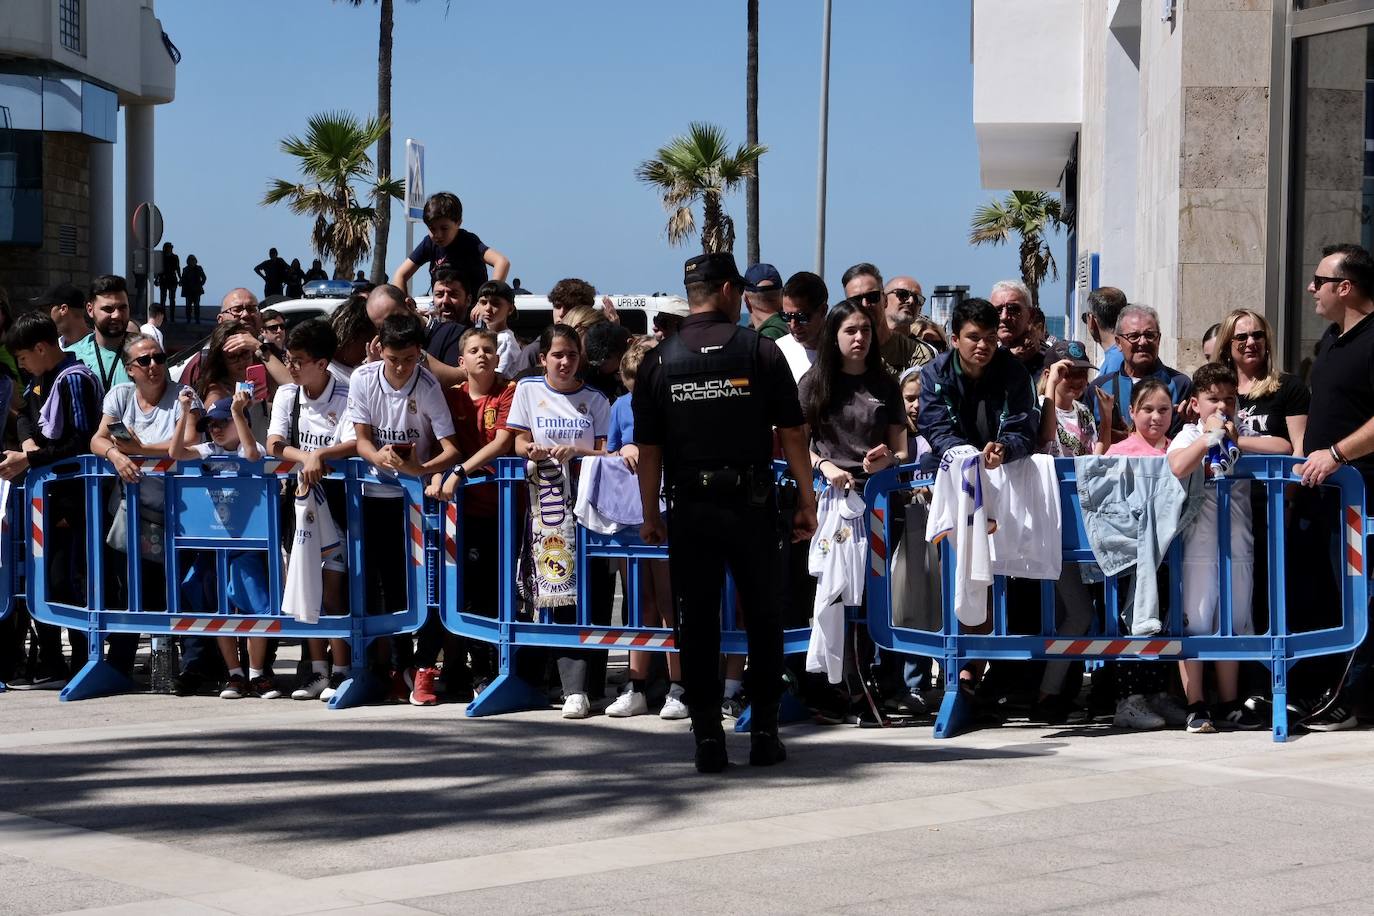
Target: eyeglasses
(906,295)
(1140,337)
(795,317)
(292,363)
(1241,337)
(872,297)
(1318,281)
(273,328)
(241,310)
(148,359)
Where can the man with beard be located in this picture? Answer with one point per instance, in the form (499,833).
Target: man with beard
(107,305)
(903,303)
(445,326)
(863,286)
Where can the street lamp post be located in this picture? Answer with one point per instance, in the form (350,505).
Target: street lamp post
(825,139)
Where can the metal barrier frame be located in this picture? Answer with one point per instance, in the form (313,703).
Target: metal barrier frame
(99,678)
(509,693)
(1277,649)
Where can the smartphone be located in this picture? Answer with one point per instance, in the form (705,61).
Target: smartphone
(404,449)
(121,432)
(244,386)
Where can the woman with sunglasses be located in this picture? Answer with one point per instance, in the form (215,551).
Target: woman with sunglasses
(1272,407)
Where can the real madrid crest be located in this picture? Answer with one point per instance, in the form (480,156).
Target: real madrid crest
(412,406)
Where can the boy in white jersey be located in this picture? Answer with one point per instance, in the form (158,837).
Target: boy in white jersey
(1214,403)
(307,420)
(403,425)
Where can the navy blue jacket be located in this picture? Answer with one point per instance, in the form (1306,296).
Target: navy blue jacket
(998,406)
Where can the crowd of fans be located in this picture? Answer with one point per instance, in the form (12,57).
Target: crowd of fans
(441,396)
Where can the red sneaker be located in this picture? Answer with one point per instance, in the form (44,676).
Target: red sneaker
(422,694)
(400,685)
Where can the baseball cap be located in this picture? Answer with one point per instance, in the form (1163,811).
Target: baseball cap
(762,278)
(675,306)
(717,267)
(498,289)
(217,412)
(1071,350)
(61,294)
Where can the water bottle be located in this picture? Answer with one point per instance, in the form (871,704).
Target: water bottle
(166,663)
(1222,456)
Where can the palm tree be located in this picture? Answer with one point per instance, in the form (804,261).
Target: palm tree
(340,188)
(699,166)
(751,119)
(383,221)
(1031,215)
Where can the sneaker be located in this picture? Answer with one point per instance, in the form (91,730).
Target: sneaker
(402,682)
(1134,712)
(1054,709)
(832,708)
(49,680)
(577,706)
(673,707)
(312,687)
(908,704)
(1336,717)
(732,707)
(422,692)
(186,684)
(1239,716)
(1199,720)
(1168,709)
(711,756)
(236,688)
(630,703)
(336,679)
(765,749)
(263,688)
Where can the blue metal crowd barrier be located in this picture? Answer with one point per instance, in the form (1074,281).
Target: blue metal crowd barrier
(217,507)
(13,549)
(1277,649)
(509,631)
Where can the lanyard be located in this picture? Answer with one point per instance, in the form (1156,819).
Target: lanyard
(105,378)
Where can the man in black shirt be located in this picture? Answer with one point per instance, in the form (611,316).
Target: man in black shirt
(273,273)
(1340,430)
(723,511)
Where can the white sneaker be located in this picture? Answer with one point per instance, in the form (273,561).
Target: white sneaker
(311,689)
(577,706)
(630,703)
(673,707)
(1134,712)
(1168,709)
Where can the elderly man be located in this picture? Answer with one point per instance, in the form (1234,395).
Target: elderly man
(763,298)
(1137,333)
(1012,299)
(863,286)
(241,305)
(902,303)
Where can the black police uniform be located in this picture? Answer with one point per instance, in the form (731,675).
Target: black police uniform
(709,397)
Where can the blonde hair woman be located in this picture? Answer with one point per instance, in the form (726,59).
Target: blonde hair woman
(1273,405)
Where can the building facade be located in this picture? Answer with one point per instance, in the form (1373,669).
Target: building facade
(1205,149)
(66,69)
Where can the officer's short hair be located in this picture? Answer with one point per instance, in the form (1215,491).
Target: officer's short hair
(976,311)
(807,290)
(699,294)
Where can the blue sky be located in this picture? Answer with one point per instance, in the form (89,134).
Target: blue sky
(535,112)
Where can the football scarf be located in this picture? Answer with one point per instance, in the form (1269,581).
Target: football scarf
(553,535)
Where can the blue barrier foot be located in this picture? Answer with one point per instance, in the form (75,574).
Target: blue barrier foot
(97,679)
(362,687)
(956,713)
(507,693)
(1280,713)
(790,710)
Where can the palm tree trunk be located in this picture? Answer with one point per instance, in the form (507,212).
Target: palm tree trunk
(1030,245)
(751,104)
(383,224)
(712,223)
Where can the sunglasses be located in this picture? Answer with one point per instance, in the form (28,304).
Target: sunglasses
(872,297)
(1243,336)
(149,359)
(1318,281)
(906,295)
(273,328)
(795,317)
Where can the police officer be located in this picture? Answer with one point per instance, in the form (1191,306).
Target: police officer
(705,406)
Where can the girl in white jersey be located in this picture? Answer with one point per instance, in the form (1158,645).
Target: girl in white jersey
(556,416)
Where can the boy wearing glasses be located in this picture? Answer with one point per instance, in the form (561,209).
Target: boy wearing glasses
(804,299)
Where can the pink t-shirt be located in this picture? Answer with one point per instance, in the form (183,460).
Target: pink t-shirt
(1134,446)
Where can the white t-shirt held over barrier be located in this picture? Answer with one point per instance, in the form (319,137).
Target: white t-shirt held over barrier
(577,418)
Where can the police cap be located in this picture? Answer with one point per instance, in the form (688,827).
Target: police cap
(717,267)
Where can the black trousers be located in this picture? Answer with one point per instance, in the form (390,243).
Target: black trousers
(707,535)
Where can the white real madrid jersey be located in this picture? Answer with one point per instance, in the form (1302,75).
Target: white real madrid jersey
(577,418)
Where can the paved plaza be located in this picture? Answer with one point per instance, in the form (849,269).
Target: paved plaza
(152,804)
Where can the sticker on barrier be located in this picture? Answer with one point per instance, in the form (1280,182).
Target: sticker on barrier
(942,637)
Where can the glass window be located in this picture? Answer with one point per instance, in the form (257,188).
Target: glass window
(1332,166)
(21,102)
(62,105)
(99,113)
(69,24)
(21,187)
